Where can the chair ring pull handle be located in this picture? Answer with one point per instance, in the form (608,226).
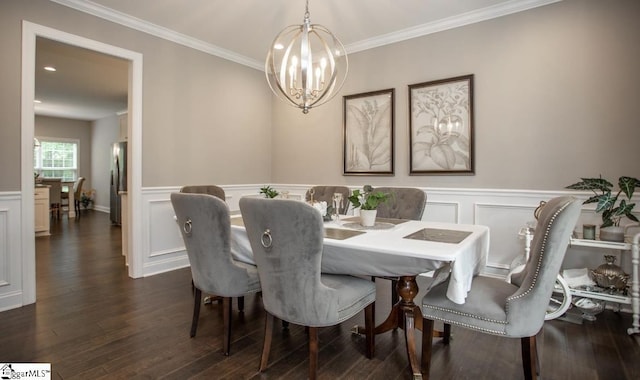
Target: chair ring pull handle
(187,226)
(266,238)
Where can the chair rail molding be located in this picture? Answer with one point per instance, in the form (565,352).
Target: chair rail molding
(162,249)
(504,211)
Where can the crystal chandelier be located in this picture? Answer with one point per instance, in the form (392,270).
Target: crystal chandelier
(306,64)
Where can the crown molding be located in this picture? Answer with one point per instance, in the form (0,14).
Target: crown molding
(468,18)
(129,21)
(457,21)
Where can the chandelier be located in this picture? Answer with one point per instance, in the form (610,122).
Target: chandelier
(306,64)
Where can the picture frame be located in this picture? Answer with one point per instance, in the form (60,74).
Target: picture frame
(441,127)
(368,134)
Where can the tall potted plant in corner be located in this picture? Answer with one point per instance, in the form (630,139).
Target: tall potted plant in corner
(607,203)
(367,201)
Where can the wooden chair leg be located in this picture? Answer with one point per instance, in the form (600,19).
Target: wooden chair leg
(394,292)
(427,342)
(197,299)
(529,357)
(266,347)
(446,336)
(241,303)
(394,289)
(226,322)
(536,352)
(313,353)
(369,326)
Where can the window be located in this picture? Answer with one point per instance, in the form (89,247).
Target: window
(56,158)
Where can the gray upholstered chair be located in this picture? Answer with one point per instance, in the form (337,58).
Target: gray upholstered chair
(494,306)
(325,193)
(55,195)
(206,230)
(214,190)
(286,237)
(404,203)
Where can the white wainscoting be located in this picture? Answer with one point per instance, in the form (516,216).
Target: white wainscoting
(163,249)
(10,247)
(504,211)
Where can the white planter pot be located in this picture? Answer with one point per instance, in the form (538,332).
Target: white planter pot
(368,217)
(613,233)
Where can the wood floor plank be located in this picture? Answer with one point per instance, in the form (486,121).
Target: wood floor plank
(91,321)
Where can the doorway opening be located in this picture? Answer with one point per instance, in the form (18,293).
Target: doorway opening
(134,126)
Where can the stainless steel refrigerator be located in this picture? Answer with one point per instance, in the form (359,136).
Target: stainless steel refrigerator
(118,179)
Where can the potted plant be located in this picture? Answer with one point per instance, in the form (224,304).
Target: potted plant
(86,198)
(607,203)
(268,192)
(367,201)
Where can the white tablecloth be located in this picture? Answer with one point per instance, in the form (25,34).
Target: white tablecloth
(388,253)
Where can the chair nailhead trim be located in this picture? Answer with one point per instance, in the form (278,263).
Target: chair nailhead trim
(544,245)
(466,314)
(466,325)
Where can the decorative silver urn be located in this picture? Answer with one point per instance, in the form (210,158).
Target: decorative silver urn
(609,275)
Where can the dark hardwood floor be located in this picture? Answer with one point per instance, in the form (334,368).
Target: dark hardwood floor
(91,321)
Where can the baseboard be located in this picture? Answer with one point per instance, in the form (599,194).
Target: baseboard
(10,301)
(101,209)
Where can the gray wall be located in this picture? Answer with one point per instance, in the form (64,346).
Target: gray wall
(46,126)
(200,113)
(556,97)
(556,91)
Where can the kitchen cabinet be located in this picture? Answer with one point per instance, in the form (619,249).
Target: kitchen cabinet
(41,197)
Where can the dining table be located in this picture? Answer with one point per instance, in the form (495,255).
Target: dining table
(397,248)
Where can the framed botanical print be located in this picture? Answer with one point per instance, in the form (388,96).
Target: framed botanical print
(441,126)
(368,133)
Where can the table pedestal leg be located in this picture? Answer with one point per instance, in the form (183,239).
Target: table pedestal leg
(407,290)
(406,315)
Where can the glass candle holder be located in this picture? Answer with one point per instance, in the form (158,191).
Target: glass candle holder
(589,231)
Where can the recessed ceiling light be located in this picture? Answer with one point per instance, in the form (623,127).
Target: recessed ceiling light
(37,101)
(50,68)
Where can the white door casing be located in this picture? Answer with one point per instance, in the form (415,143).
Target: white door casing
(29,33)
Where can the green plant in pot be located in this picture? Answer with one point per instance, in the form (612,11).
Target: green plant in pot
(86,200)
(269,192)
(612,205)
(368,201)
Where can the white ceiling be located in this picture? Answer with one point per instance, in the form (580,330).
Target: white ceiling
(242,30)
(86,85)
